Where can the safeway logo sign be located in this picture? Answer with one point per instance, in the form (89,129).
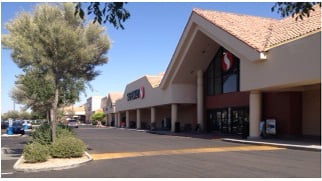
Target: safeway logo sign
(227,61)
(142,92)
(137,93)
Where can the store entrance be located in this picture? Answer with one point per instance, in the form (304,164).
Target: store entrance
(229,120)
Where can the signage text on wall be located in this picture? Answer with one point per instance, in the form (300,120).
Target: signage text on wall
(137,93)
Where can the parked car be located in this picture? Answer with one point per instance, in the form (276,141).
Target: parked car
(17,128)
(4,124)
(29,125)
(72,123)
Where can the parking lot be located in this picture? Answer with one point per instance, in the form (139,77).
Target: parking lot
(140,154)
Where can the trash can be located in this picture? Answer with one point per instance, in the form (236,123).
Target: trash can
(177,127)
(10,131)
(153,126)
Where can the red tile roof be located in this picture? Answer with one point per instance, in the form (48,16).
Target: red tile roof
(114,96)
(154,80)
(288,28)
(263,33)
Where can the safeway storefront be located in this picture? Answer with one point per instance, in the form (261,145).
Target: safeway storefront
(231,71)
(146,106)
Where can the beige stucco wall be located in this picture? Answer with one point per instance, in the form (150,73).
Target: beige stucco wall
(93,103)
(104,104)
(292,64)
(110,106)
(149,93)
(311,120)
(161,113)
(145,115)
(132,115)
(96,102)
(187,114)
(182,93)
(175,93)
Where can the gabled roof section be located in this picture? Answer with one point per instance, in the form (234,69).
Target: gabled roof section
(263,33)
(251,30)
(289,29)
(154,80)
(115,96)
(249,37)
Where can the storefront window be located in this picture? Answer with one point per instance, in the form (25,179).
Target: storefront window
(229,120)
(229,84)
(223,73)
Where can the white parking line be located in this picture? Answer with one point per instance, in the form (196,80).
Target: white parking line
(6,173)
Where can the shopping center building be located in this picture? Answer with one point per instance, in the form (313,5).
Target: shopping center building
(93,104)
(228,73)
(108,107)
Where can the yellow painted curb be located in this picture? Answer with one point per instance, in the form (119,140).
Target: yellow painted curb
(104,156)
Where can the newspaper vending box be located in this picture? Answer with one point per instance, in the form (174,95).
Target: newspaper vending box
(271,126)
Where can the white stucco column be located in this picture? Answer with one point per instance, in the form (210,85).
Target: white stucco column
(117,119)
(255,106)
(153,118)
(200,107)
(138,119)
(174,116)
(152,114)
(109,119)
(127,119)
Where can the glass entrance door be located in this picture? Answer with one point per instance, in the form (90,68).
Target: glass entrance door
(217,119)
(240,121)
(229,120)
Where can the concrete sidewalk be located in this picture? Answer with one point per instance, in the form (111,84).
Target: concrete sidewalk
(299,144)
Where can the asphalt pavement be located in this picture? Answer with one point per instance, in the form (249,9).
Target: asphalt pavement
(140,154)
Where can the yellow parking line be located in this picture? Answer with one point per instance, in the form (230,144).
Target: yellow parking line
(103,156)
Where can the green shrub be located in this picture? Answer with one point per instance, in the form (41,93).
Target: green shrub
(103,122)
(42,133)
(35,152)
(64,131)
(67,147)
(94,122)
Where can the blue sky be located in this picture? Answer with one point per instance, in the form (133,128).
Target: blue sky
(145,47)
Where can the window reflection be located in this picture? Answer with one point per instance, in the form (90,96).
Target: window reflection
(223,73)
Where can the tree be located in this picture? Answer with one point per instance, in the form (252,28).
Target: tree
(35,115)
(60,47)
(33,91)
(10,114)
(112,12)
(116,14)
(98,116)
(297,9)
(24,115)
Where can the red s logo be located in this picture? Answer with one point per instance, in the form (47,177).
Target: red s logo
(227,61)
(142,92)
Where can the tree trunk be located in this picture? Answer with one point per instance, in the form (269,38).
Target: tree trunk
(52,125)
(48,115)
(53,111)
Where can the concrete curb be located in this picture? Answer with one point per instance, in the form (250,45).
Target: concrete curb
(17,165)
(281,145)
(316,148)
(13,135)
